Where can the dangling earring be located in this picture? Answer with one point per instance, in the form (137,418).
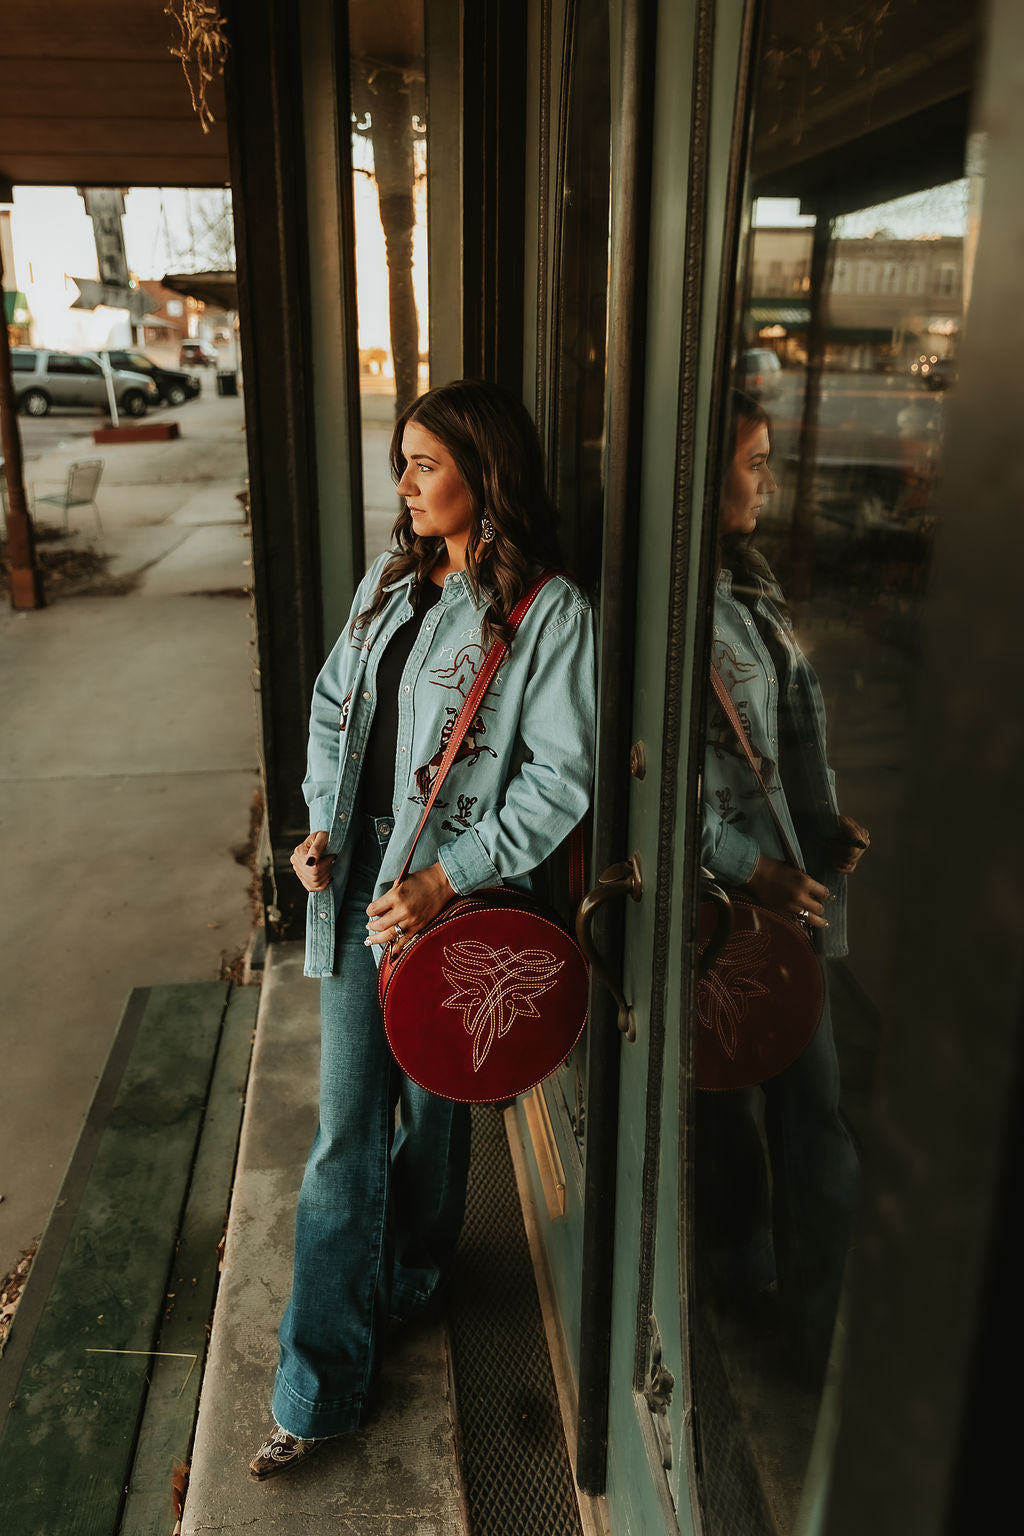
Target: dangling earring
(486,529)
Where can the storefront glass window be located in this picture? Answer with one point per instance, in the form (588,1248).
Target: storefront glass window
(864,184)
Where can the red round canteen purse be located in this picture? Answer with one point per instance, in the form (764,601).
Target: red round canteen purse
(491,996)
(759,995)
(760,988)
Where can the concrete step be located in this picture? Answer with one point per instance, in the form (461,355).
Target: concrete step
(399,1475)
(100,1379)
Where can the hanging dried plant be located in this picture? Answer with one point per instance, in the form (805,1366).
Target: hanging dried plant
(202,49)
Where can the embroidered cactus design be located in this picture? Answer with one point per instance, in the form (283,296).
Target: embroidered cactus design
(724,993)
(462,818)
(494,986)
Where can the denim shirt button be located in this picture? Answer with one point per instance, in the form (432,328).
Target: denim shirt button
(324,916)
(366,696)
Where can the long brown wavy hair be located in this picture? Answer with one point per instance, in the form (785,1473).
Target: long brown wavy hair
(497,452)
(751,572)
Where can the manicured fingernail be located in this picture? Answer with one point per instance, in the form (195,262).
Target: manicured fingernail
(366,943)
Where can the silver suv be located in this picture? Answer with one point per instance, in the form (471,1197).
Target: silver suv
(762,373)
(43,379)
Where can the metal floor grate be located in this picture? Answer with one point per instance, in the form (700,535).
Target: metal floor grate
(735,1504)
(513,1455)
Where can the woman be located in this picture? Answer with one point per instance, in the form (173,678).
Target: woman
(794,1239)
(380,1210)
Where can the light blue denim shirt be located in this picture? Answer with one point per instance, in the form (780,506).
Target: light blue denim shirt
(738,825)
(522,779)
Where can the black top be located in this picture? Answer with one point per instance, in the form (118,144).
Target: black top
(377,784)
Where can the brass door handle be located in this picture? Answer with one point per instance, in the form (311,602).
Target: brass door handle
(710,891)
(622,879)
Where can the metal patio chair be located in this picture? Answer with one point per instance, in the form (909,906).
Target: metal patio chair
(79,490)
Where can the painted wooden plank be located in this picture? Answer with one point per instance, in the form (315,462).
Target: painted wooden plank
(173,1397)
(68,1441)
(65,1210)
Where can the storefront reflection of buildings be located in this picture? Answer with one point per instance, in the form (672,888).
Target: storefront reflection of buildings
(889,300)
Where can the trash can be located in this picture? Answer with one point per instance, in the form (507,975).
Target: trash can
(227,381)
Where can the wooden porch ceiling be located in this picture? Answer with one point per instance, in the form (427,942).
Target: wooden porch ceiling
(91,96)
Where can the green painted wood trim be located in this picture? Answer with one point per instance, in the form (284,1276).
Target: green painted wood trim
(70,1435)
(173,1397)
(65,1209)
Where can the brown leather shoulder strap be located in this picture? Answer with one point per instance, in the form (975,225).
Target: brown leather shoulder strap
(729,710)
(492,661)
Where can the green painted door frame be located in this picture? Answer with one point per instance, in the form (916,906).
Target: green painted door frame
(680,99)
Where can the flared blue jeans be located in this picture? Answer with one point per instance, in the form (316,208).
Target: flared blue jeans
(381,1203)
(788,1221)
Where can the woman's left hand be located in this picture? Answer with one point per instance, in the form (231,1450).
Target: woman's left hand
(852,842)
(410,905)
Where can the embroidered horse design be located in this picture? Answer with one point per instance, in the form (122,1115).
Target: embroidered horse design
(494,986)
(458,677)
(470,750)
(724,993)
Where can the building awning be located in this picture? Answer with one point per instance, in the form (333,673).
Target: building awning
(94,97)
(219,289)
(765,312)
(853,335)
(15,302)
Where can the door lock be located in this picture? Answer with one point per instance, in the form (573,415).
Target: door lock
(619,880)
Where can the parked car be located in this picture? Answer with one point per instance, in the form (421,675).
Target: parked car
(43,379)
(199,353)
(762,373)
(174,387)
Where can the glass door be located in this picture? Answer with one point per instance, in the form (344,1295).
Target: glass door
(853,283)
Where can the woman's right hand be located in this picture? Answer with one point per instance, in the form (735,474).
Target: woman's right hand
(311,864)
(785,889)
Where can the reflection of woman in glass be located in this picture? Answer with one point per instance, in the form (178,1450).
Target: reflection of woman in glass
(786,1238)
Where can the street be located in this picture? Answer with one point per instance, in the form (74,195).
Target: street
(128,767)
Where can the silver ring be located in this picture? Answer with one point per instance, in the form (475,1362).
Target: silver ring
(804,914)
(399,932)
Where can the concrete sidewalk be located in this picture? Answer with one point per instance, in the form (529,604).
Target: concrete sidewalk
(127,768)
(397,1477)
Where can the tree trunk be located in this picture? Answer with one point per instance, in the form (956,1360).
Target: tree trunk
(26,587)
(391,131)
